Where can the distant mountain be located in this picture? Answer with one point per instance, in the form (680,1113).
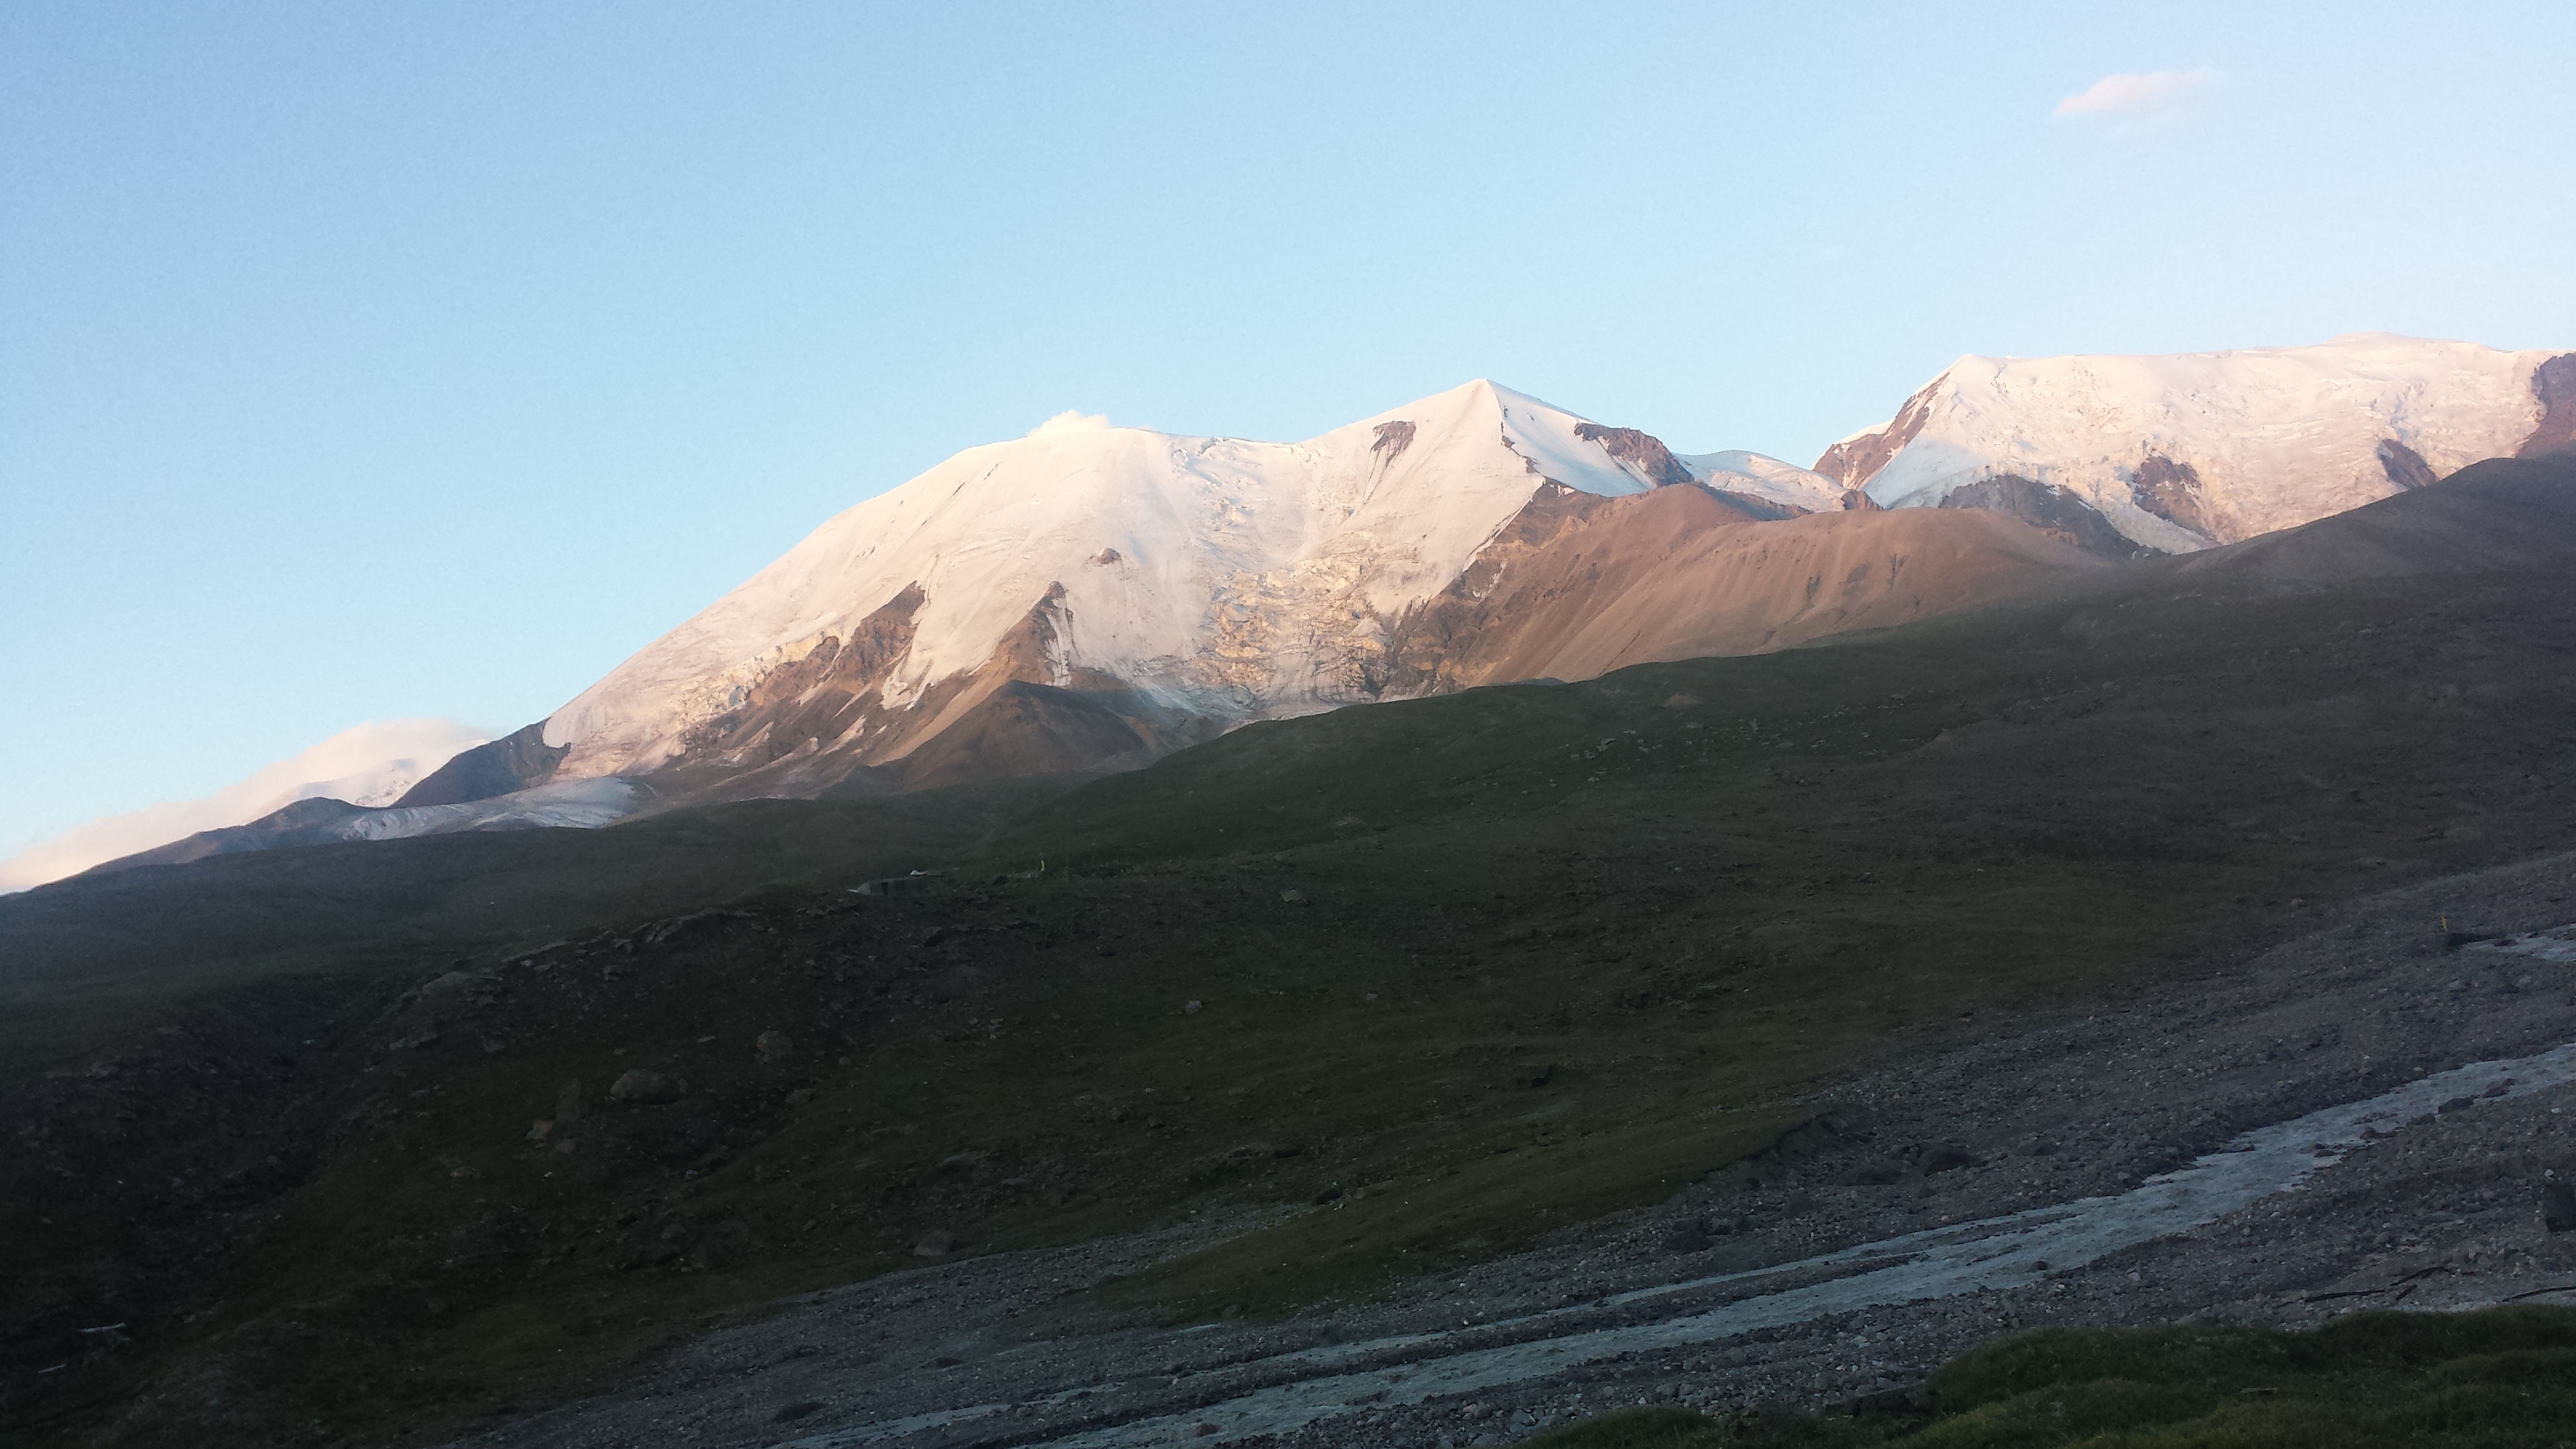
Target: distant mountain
(2129,455)
(1092,598)
(1089,598)
(369,765)
(320,820)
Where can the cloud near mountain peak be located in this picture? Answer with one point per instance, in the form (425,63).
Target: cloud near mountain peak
(1069,421)
(2139,95)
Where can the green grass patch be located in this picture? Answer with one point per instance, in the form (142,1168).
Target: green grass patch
(2501,1378)
(1458,1213)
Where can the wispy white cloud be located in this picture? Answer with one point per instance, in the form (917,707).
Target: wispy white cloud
(1069,421)
(2143,97)
(372,764)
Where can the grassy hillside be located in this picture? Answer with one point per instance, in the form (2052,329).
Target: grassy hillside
(1473,968)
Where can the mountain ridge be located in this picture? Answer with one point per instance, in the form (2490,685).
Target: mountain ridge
(2179,452)
(1088,599)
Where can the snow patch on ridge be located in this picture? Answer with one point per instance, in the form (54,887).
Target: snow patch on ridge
(1766,478)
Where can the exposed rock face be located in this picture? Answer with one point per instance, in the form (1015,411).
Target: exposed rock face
(2171,491)
(1645,450)
(815,701)
(2405,467)
(1392,439)
(2554,383)
(514,762)
(1855,460)
(2050,508)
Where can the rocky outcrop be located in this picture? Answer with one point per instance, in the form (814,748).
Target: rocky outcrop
(2404,466)
(500,767)
(1643,451)
(2171,491)
(2049,508)
(1855,460)
(814,701)
(2554,384)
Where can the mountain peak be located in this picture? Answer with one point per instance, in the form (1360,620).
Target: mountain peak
(2175,453)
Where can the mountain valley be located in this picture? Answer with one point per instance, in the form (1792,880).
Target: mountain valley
(1550,989)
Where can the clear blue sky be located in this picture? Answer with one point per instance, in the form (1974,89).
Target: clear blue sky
(363,361)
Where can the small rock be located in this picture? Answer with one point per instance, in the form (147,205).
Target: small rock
(1294,898)
(1189,1006)
(793,1412)
(773,1047)
(1945,1159)
(1688,1236)
(568,1102)
(934,1244)
(2458,1104)
(644,1088)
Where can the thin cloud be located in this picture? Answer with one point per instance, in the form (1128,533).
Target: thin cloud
(2145,96)
(1069,421)
(372,764)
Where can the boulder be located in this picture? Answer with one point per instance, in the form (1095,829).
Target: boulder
(773,1047)
(644,1088)
(2558,1205)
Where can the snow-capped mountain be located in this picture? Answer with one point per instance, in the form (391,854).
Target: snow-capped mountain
(1089,595)
(1215,578)
(368,766)
(2173,454)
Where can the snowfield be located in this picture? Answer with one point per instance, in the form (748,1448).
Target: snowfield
(2274,437)
(1231,579)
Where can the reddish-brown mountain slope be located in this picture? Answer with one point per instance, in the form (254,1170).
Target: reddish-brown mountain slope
(1682,573)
